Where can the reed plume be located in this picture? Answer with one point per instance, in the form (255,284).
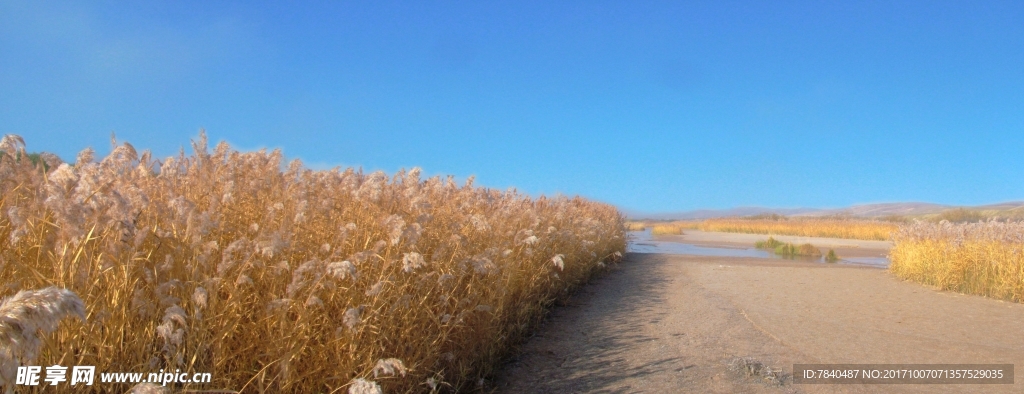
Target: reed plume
(26,316)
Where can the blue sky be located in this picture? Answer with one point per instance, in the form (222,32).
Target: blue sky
(652,106)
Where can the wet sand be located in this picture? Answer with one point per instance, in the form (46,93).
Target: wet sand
(671,323)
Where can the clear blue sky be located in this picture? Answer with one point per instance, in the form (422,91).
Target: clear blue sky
(653,106)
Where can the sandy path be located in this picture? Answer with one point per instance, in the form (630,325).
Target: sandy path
(666,323)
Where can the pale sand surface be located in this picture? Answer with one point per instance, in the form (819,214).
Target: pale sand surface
(667,323)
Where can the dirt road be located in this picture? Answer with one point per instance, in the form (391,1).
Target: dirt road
(669,323)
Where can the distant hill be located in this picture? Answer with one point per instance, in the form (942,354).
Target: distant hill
(885,209)
(860,210)
(1002,206)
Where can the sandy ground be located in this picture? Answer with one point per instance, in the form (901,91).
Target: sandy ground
(670,323)
(844,247)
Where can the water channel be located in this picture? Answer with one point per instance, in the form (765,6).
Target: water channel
(644,242)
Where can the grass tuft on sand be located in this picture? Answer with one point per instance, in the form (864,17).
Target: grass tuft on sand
(787,249)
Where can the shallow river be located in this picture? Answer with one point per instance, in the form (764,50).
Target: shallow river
(643,242)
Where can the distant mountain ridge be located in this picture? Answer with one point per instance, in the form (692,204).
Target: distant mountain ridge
(860,210)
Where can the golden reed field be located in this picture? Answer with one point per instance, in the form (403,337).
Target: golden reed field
(809,227)
(673,228)
(985,258)
(278,278)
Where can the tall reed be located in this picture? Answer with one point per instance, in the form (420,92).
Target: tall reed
(808,227)
(277,278)
(976,258)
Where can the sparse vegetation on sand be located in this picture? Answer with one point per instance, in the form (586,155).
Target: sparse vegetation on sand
(808,227)
(985,258)
(787,249)
(278,278)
